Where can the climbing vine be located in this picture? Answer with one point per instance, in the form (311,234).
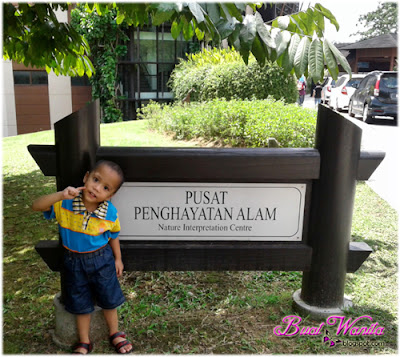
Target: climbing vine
(106,39)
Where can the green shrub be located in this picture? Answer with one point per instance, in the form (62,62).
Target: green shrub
(220,73)
(235,122)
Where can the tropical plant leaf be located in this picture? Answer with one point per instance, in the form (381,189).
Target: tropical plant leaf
(162,14)
(231,10)
(301,57)
(263,31)
(226,28)
(282,39)
(282,22)
(320,23)
(187,29)
(247,32)
(213,12)
(339,57)
(259,51)
(294,43)
(328,15)
(284,62)
(330,60)
(120,18)
(197,11)
(296,25)
(176,28)
(244,52)
(199,34)
(316,60)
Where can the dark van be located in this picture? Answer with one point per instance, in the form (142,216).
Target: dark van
(376,95)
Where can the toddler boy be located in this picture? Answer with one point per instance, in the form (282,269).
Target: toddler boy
(89,228)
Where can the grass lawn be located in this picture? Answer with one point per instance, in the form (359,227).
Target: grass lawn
(183,312)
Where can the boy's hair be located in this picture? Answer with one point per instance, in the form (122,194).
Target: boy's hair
(112,165)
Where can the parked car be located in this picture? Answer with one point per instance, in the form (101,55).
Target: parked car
(343,90)
(326,89)
(376,95)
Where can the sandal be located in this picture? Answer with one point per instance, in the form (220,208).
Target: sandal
(87,346)
(121,344)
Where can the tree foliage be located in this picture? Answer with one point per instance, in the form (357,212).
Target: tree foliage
(379,22)
(106,40)
(33,36)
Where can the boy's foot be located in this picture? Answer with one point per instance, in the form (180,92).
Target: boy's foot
(82,348)
(120,343)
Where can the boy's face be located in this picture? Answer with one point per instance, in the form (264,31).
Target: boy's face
(100,184)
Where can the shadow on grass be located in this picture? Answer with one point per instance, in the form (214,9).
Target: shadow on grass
(19,191)
(28,284)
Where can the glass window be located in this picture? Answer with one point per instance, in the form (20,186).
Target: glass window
(80,81)
(371,81)
(39,77)
(30,77)
(340,81)
(22,77)
(182,47)
(353,82)
(148,47)
(166,47)
(363,83)
(145,71)
(389,80)
(148,84)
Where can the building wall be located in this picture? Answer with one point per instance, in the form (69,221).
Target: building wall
(8,98)
(60,100)
(81,95)
(60,97)
(373,59)
(30,108)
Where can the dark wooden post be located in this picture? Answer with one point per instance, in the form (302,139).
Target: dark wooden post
(77,138)
(338,141)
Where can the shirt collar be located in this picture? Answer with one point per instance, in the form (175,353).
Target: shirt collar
(78,207)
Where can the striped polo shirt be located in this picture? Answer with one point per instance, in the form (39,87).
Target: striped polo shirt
(81,236)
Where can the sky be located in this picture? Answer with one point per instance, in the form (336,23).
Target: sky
(347,14)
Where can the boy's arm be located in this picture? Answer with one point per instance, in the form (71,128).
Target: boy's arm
(116,248)
(44,203)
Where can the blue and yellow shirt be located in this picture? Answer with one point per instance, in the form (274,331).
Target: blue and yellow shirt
(82,232)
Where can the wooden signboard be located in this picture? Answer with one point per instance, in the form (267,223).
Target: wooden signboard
(211,211)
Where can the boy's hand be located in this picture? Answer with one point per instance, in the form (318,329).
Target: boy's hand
(44,203)
(119,267)
(71,192)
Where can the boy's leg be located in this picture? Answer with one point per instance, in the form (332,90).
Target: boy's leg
(111,317)
(83,326)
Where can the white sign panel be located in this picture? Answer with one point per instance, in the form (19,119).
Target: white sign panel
(211,211)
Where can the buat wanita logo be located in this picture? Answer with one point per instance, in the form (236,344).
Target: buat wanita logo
(360,326)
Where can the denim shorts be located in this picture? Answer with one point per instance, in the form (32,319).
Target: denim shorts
(91,278)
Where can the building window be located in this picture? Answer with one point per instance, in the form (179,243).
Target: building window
(30,77)
(145,70)
(80,81)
